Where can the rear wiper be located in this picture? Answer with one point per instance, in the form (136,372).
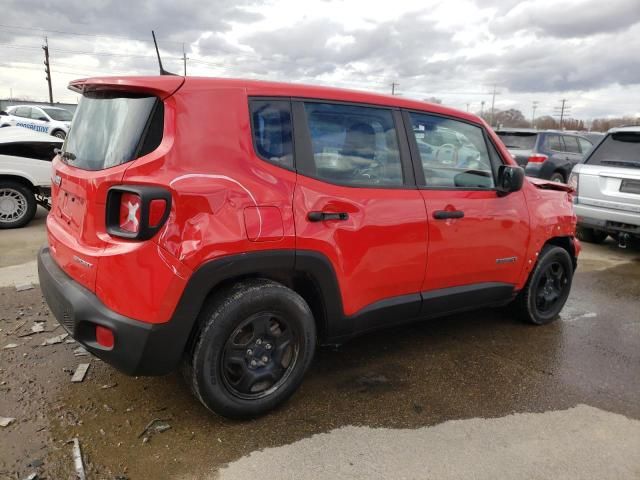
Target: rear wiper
(66,155)
(621,162)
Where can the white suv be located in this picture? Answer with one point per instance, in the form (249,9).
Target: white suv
(607,184)
(52,120)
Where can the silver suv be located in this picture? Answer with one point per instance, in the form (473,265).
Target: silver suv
(607,184)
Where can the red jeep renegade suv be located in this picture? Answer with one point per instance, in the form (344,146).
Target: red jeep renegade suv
(230,226)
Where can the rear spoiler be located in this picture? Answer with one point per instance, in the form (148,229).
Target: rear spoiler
(161,86)
(549,185)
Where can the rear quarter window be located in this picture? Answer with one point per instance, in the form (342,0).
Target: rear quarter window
(272,131)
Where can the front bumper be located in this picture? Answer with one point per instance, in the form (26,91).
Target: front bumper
(139,349)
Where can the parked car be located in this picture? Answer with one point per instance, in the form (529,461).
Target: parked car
(25,174)
(230,226)
(545,154)
(52,120)
(594,137)
(607,185)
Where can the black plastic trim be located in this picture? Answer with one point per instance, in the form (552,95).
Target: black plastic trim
(156,349)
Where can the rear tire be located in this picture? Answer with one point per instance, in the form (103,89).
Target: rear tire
(256,341)
(557,177)
(548,287)
(591,235)
(17,204)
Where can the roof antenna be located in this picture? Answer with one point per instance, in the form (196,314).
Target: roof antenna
(162,70)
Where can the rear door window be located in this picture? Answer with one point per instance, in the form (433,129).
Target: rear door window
(620,149)
(37,114)
(554,142)
(111,128)
(272,131)
(354,145)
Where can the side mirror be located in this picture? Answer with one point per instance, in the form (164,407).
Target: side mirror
(510,179)
(44,119)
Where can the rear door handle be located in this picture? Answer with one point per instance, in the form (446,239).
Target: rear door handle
(321,216)
(446,214)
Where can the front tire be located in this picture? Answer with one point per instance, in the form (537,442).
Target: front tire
(591,235)
(255,344)
(17,204)
(548,287)
(60,134)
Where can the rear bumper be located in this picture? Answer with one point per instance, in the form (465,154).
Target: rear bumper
(608,220)
(140,348)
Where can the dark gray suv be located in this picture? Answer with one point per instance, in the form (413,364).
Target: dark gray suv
(548,154)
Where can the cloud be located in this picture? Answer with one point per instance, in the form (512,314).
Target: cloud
(569,19)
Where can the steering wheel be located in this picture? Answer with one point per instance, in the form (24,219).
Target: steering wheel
(448,146)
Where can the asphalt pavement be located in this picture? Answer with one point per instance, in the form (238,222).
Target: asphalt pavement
(477,395)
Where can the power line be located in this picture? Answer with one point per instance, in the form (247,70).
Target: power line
(62,32)
(98,54)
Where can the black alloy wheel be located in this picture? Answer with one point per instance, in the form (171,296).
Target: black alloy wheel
(259,356)
(550,288)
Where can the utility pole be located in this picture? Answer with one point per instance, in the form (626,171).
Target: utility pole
(493,103)
(561,111)
(534,106)
(47,68)
(467,107)
(184,60)
(393,87)
(482,109)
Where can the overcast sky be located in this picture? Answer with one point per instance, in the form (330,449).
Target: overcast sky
(542,50)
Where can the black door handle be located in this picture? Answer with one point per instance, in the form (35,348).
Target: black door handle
(321,216)
(445,214)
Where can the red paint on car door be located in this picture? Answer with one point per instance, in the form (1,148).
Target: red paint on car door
(378,251)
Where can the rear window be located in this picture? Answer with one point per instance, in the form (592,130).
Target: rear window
(111,128)
(620,149)
(518,140)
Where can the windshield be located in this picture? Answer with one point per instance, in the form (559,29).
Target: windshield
(59,114)
(111,128)
(518,140)
(621,149)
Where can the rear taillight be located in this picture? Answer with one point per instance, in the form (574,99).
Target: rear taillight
(136,212)
(537,158)
(574,183)
(130,212)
